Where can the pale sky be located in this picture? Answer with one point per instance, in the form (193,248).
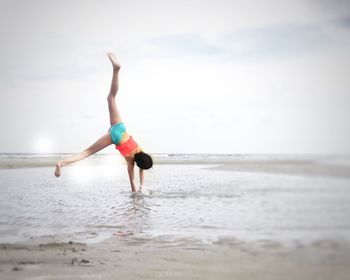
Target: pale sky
(197,76)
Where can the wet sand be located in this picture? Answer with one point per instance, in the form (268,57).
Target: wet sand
(304,168)
(130,257)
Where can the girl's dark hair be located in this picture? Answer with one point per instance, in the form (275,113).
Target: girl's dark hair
(143,160)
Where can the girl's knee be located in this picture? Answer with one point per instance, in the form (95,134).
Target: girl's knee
(110,98)
(87,152)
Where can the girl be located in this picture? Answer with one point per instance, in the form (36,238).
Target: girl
(116,135)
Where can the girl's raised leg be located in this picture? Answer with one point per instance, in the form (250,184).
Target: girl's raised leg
(114,115)
(101,143)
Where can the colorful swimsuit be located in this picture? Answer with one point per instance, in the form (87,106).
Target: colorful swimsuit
(127,147)
(117,133)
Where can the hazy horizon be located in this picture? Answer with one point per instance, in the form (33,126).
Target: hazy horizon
(211,77)
(109,152)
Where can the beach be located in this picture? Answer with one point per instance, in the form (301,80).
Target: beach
(137,258)
(206,216)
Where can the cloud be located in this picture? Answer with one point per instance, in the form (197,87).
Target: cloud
(249,44)
(267,42)
(344,22)
(182,45)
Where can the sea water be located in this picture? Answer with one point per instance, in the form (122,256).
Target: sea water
(91,203)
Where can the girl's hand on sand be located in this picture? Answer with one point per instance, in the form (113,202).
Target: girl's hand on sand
(143,191)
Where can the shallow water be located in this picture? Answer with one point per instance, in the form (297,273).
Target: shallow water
(91,203)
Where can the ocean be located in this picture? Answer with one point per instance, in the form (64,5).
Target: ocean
(289,199)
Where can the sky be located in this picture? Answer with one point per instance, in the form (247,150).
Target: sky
(262,77)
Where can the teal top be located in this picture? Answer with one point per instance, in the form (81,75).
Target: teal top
(116,132)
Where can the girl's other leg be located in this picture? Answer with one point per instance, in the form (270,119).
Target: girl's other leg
(114,115)
(100,144)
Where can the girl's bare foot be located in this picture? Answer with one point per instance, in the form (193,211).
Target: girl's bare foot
(58,170)
(114,60)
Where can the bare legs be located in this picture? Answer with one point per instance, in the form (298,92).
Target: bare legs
(101,143)
(114,116)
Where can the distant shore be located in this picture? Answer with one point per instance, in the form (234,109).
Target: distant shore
(283,164)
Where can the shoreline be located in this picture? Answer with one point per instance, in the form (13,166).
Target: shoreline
(300,165)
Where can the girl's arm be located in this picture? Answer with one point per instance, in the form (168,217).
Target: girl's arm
(131,175)
(142,177)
